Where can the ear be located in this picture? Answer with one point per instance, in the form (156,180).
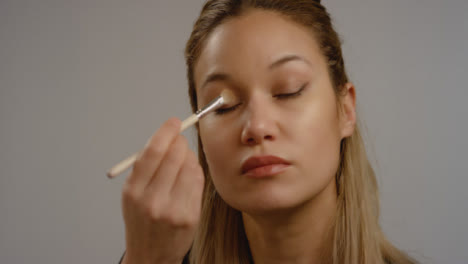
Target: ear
(348,110)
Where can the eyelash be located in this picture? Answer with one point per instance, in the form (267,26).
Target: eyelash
(222,111)
(292,95)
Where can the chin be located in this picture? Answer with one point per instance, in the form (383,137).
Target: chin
(278,197)
(266,201)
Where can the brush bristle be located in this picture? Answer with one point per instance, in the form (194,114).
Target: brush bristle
(228,96)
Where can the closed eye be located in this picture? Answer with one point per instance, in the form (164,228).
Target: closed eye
(221,111)
(292,95)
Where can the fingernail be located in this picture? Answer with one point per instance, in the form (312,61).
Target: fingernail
(175,121)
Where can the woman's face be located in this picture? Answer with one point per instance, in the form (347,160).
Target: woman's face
(285,108)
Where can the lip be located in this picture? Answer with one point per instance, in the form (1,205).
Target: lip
(263,166)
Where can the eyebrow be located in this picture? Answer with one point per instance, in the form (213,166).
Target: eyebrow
(286,59)
(225,77)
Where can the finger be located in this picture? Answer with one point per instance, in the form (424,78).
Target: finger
(188,186)
(197,192)
(153,153)
(166,174)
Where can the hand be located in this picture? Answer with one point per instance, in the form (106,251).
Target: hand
(161,199)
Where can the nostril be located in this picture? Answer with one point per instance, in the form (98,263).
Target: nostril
(251,140)
(257,139)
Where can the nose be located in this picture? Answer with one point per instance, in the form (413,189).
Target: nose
(259,124)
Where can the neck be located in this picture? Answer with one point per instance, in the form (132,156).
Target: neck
(297,235)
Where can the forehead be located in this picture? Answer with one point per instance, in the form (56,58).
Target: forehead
(245,46)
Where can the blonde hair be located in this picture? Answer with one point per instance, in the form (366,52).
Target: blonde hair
(356,234)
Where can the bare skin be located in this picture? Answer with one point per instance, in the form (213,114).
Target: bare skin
(287,216)
(161,199)
(264,58)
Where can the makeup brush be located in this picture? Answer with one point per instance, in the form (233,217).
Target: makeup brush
(226,97)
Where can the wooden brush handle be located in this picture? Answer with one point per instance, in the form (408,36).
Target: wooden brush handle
(128,162)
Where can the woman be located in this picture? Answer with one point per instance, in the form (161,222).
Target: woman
(282,174)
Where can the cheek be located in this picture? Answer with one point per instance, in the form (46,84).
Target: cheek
(216,140)
(316,128)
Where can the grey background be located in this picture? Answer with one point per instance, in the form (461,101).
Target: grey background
(85,83)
